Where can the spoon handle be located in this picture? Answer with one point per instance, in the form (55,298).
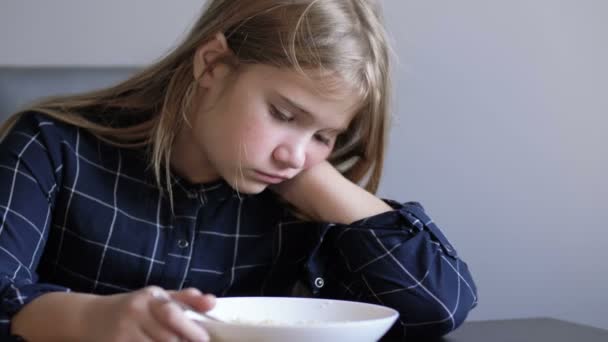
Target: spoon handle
(197,316)
(188,310)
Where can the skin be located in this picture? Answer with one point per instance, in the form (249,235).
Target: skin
(251,120)
(243,122)
(143,315)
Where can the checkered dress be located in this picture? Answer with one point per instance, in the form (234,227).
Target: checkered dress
(79,215)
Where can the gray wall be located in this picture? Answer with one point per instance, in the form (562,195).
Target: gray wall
(501,110)
(502,133)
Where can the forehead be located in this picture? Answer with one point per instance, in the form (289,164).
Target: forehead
(325,96)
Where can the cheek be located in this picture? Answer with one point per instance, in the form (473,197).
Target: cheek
(257,141)
(314,157)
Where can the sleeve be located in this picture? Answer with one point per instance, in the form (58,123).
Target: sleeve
(399,259)
(28,177)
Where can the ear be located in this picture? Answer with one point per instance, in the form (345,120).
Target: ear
(205,68)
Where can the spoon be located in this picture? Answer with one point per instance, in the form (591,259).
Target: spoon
(199,316)
(194,315)
(189,311)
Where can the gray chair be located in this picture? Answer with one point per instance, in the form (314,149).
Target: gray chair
(22,85)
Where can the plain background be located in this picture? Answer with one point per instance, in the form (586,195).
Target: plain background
(501,121)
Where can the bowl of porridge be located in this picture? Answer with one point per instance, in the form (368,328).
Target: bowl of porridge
(295,319)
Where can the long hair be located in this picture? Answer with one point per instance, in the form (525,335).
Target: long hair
(344,37)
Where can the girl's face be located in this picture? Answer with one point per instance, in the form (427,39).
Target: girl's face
(259,127)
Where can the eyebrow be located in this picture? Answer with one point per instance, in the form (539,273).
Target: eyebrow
(296,107)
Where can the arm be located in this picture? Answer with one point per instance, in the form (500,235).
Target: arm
(27,173)
(66,309)
(146,314)
(323,194)
(30,156)
(397,257)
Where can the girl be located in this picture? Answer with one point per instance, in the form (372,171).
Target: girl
(231,167)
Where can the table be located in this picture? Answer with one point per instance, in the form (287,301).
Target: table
(526,330)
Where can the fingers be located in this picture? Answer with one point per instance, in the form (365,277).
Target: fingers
(194,298)
(167,321)
(154,331)
(150,328)
(171,315)
(166,311)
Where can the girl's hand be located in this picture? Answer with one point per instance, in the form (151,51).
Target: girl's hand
(322,193)
(146,315)
(300,191)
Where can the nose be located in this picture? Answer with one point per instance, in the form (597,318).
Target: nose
(291,154)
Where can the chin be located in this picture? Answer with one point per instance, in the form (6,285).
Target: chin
(248,187)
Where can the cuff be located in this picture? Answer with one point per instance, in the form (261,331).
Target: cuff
(16,297)
(409,216)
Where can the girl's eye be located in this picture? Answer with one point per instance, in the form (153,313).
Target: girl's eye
(277,114)
(322,139)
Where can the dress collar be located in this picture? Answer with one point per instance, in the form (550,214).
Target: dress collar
(207,192)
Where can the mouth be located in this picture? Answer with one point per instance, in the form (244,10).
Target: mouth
(269,178)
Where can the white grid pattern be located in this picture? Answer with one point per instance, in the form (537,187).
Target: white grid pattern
(82,215)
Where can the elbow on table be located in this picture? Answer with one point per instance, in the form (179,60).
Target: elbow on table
(402,331)
(444,322)
(429,321)
(446,304)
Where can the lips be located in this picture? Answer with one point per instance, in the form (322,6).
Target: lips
(270,178)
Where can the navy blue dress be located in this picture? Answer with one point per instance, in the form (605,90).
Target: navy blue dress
(77,214)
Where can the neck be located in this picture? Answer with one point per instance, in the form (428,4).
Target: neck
(188,161)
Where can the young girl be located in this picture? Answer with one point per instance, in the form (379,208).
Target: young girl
(229,168)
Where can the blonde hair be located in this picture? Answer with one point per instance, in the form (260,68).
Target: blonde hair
(344,37)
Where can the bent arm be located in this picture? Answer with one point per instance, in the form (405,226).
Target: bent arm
(383,252)
(401,259)
(323,194)
(28,177)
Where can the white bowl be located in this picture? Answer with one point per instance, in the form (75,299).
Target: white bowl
(294,319)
